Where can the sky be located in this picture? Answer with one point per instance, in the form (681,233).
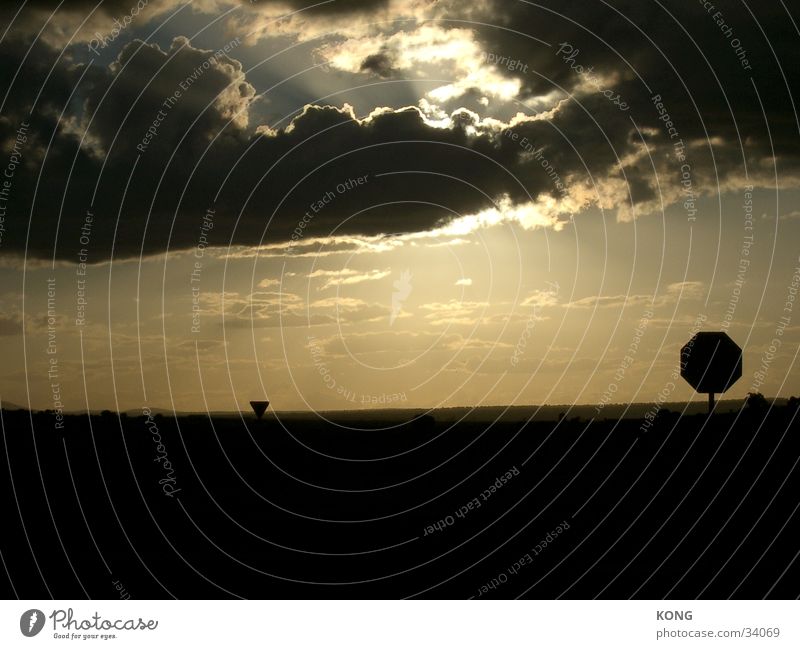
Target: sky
(389,203)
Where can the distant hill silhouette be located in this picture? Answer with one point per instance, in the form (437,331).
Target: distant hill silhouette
(534,412)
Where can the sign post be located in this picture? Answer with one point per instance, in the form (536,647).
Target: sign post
(711,362)
(259,407)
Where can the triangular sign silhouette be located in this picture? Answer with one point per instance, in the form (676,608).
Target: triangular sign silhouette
(259,407)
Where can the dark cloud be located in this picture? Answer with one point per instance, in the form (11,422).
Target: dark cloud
(76,21)
(60,22)
(205,153)
(148,200)
(79,6)
(379,64)
(711,76)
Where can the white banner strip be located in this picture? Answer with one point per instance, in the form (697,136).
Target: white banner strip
(400,624)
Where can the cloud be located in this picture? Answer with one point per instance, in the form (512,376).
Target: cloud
(307,20)
(794,215)
(80,21)
(609,301)
(379,64)
(402,341)
(639,53)
(347,277)
(454,312)
(531,144)
(673,293)
(469,151)
(686,290)
(541,298)
(285,309)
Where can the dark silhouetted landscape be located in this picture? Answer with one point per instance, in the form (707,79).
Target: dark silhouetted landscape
(297,507)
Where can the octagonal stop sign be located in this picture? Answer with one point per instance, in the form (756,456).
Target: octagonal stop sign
(711,362)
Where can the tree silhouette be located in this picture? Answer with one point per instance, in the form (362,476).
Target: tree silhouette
(756,402)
